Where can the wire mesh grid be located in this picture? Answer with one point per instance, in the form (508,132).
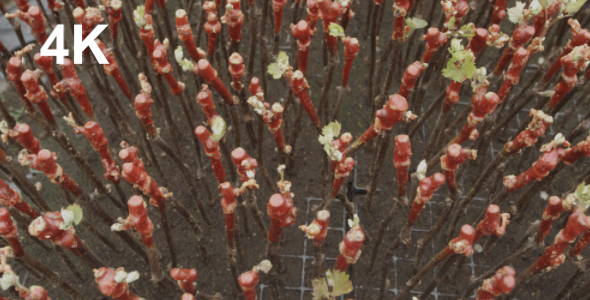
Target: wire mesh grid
(437,199)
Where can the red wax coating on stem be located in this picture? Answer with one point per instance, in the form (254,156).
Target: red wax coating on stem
(54,5)
(149,6)
(248,282)
(237,70)
(46,64)
(340,144)
(401,160)
(434,39)
(529,136)
(543,16)
(47,227)
(23,5)
(346,13)
(88,18)
(342,171)
(512,76)
(206,70)
(143,103)
(108,286)
(450,162)
(36,94)
(112,68)
(457,9)
(164,67)
(393,112)
(282,214)
(479,41)
(211,148)
(35,19)
(553,255)
(350,248)
(400,10)
(303,33)
(498,12)
(100,143)
(351,49)
(45,161)
(146,184)
(147,33)
(234,19)
(213,28)
(186,279)
(299,87)
(23,134)
(14,71)
(185,34)
(576,251)
(205,99)
(502,283)
(245,164)
(272,116)
(520,36)
(330,11)
(74,86)
(425,190)
(277,7)
(411,74)
(229,204)
(483,104)
(114,10)
(555,206)
(581,149)
(313,15)
(129,155)
(572,63)
(494,223)
(80,4)
(11,198)
(463,244)
(579,37)
(318,229)
(34,292)
(139,220)
(452,96)
(254,87)
(9,231)
(539,170)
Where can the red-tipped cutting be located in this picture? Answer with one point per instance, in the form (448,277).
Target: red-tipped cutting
(520,36)
(282,214)
(9,231)
(108,286)
(211,148)
(186,279)
(185,34)
(450,162)
(112,68)
(350,248)
(303,33)
(502,283)
(74,86)
(494,223)
(234,18)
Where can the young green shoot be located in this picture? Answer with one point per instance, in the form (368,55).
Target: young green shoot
(329,133)
(335,284)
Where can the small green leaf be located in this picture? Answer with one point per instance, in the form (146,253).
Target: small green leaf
(340,283)
(574,7)
(275,71)
(77,211)
(329,133)
(467,30)
(516,14)
(336,30)
(535,7)
(218,128)
(320,289)
(452,24)
(413,24)
(583,195)
(461,65)
(279,67)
